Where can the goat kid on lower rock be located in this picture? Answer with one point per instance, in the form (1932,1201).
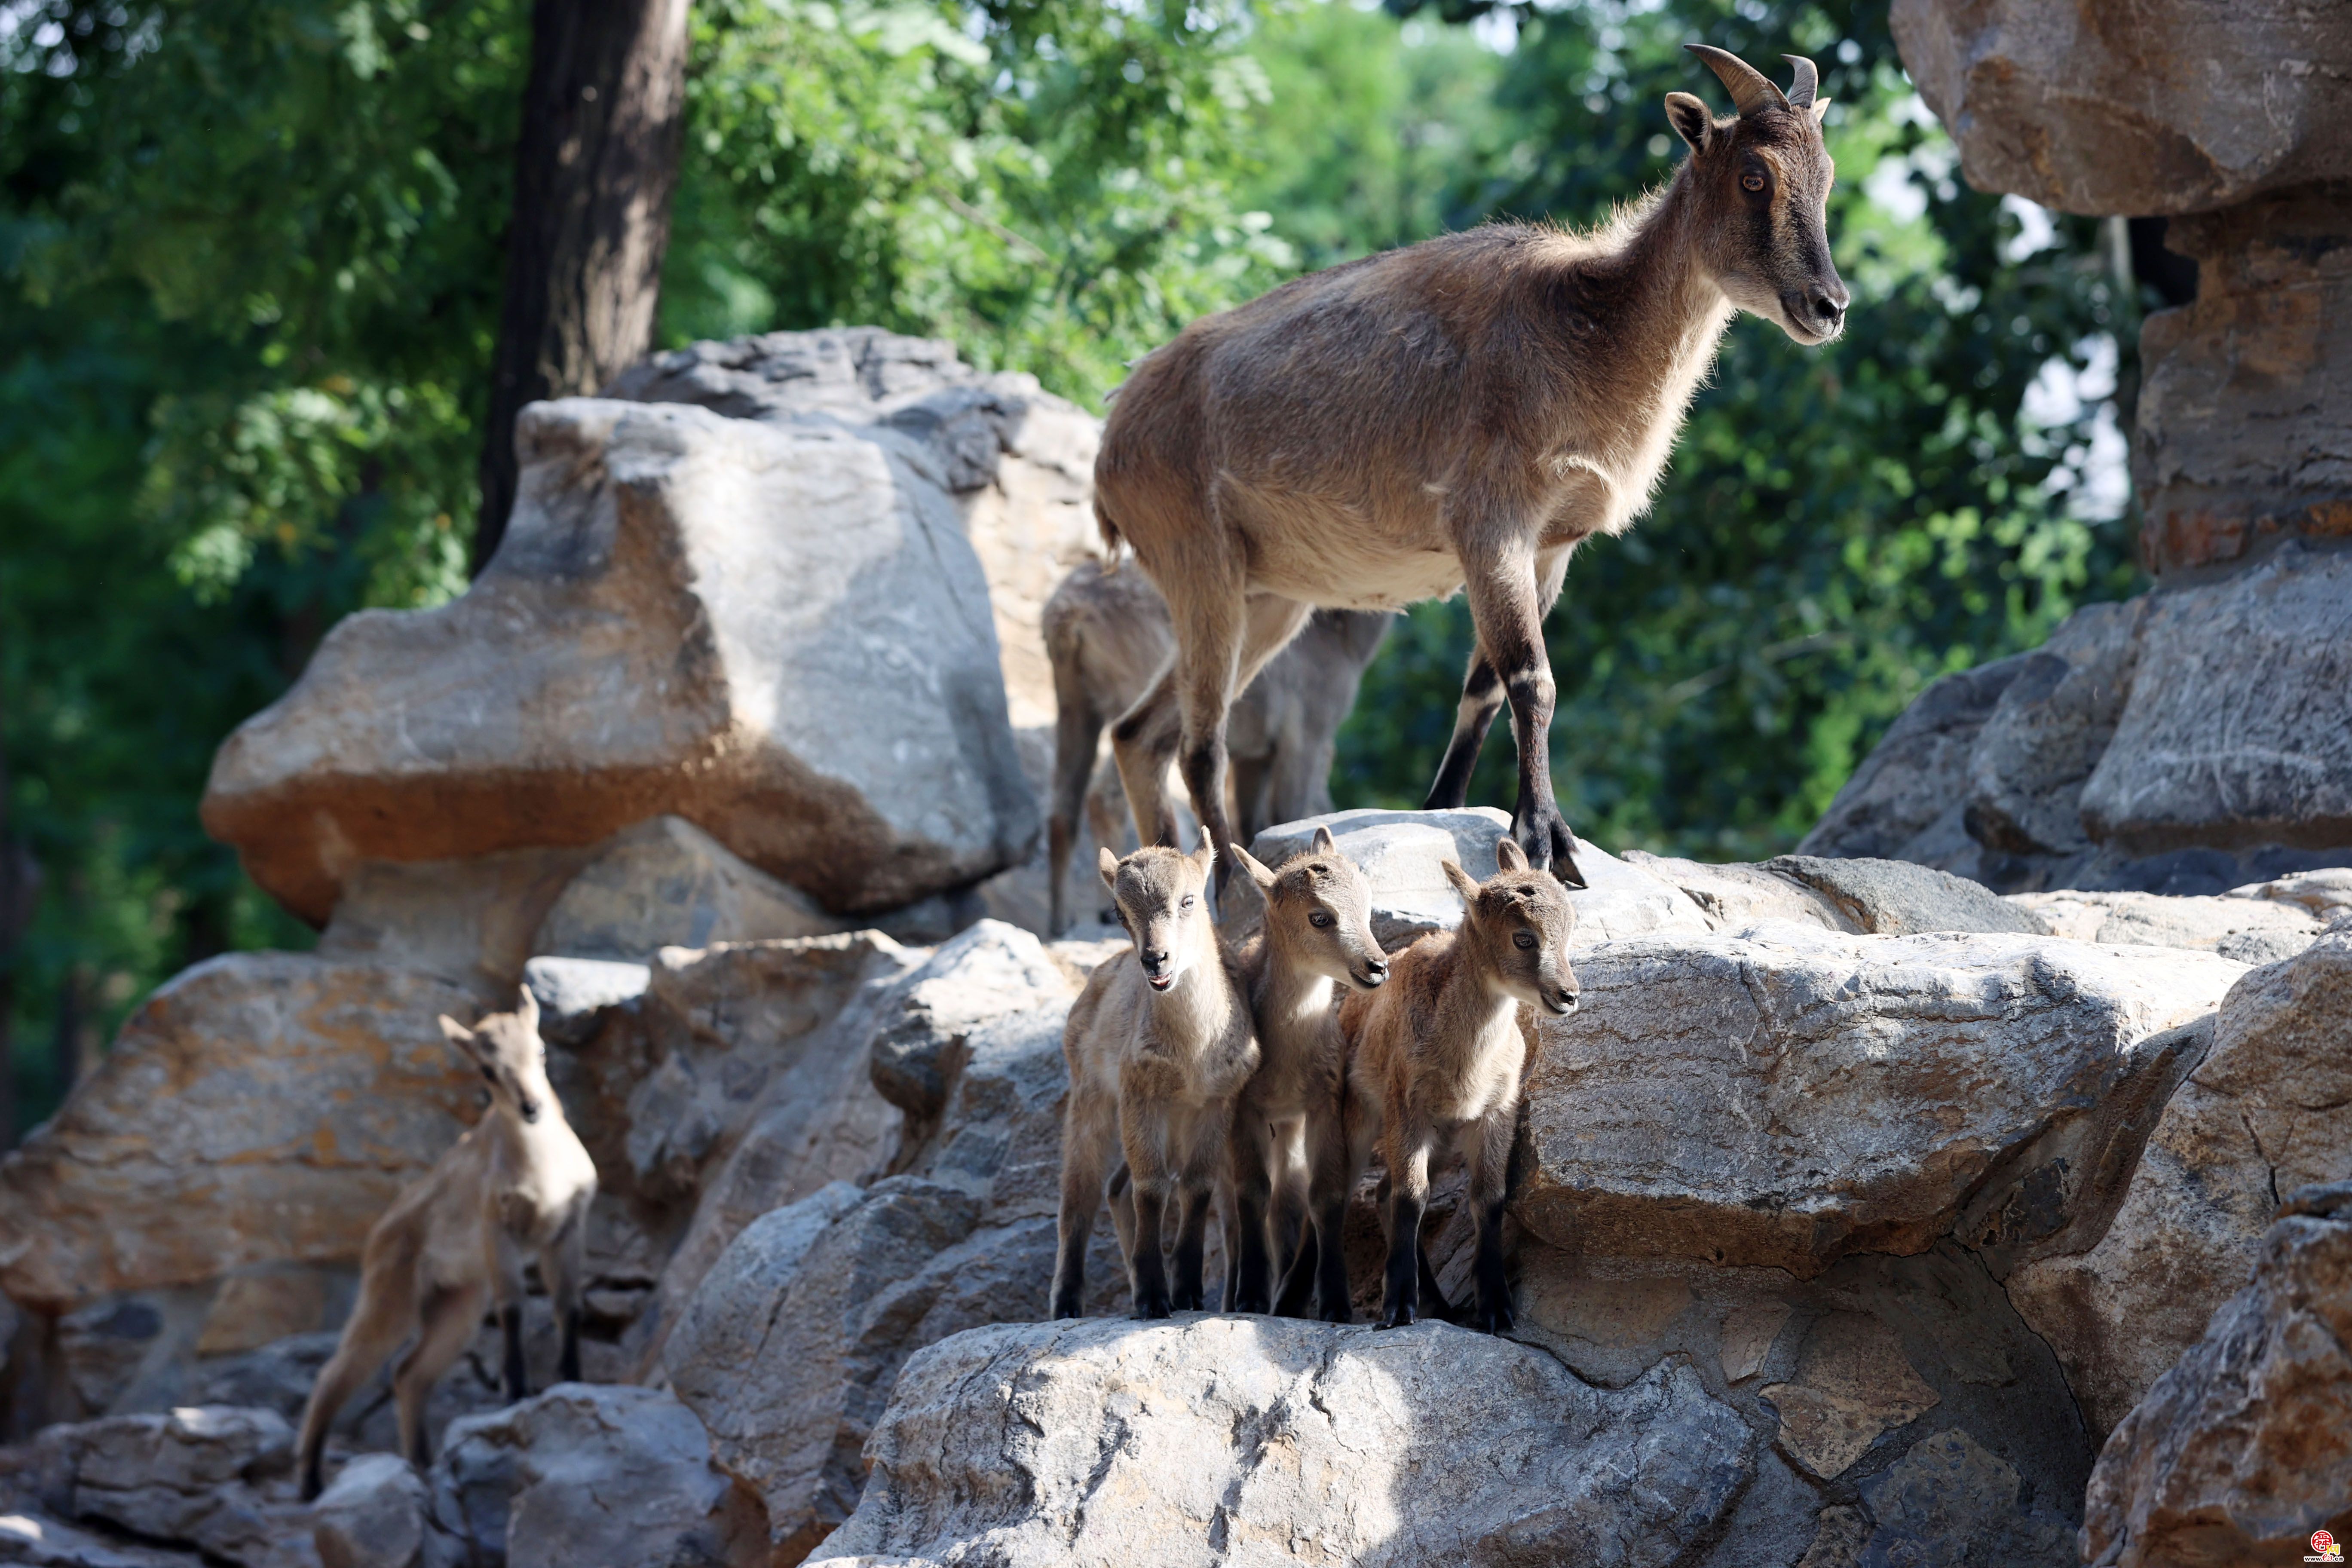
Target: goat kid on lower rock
(1434,1061)
(1316,942)
(1159,1044)
(454,1242)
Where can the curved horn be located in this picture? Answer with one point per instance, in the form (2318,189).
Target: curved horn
(1808,82)
(1751,90)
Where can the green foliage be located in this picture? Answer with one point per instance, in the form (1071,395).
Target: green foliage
(1840,525)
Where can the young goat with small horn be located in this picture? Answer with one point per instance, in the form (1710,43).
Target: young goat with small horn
(1464,411)
(518,1183)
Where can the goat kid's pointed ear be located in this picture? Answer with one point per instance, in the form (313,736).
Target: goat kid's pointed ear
(1691,120)
(1821,107)
(1108,863)
(456,1034)
(1508,856)
(1206,857)
(526,1008)
(1324,843)
(1464,882)
(1255,867)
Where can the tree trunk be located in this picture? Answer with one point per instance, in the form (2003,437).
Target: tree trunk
(594,174)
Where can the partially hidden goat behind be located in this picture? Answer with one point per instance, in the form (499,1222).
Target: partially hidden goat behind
(1108,635)
(454,1242)
(1435,1060)
(1159,1044)
(1457,414)
(1315,944)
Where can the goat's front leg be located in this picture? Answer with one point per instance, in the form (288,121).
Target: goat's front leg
(1206,1138)
(1506,602)
(564,1261)
(507,1290)
(1407,1151)
(1482,698)
(1088,1132)
(1143,1130)
(1490,1166)
(1251,1175)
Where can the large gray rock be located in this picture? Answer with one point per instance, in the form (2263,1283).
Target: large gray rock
(1894,898)
(1906,799)
(376,1515)
(666,883)
(2180,107)
(1735,897)
(209,1478)
(31,1537)
(2049,729)
(1790,1096)
(2259,1116)
(778,631)
(2237,731)
(2248,931)
(2239,1452)
(1218,1440)
(587,1475)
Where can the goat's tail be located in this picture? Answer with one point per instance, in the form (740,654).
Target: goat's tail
(1110,538)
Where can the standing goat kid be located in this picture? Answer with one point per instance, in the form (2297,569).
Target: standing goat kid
(1465,410)
(1435,1060)
(1316,941)
(1158,1044)
(518,1182)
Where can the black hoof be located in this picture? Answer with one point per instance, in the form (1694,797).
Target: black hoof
(1066,1309)
(1402,1318)
(1148,1310)
(1496,1320)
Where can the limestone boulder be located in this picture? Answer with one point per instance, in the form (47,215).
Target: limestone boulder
(1908,799)
(376,1515)
(2049,729)
(587,1474)
(666,883)
(2327,895)
(779,632)
(1735,897)
(1894,898)
(27,1535)
(213,1478)
(1788,1096)
(2175,107)
(1226,1440)
(471,921)
(2257,1117)
(2255,932)
(2244,1449)
(2236,732)
(259,1108)
(1402,854)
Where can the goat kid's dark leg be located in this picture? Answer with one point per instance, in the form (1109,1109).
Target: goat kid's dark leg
(1408,1197)
(1191,1292)
(1246,1262)
(510,1322)
(1147,1274)
(1489,1189)
(1482,698)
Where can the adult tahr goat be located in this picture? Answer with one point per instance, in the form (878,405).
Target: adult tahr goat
(1464,411)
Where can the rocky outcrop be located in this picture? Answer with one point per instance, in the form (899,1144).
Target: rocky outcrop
(2257,1117)
(2178,108)
(778,631)
(2244,930)
(374,1516)
(2239,1452)
(211,1478)
(1226,1440)
(1842,1094)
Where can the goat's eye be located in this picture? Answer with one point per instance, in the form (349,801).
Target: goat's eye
(1189,900)
(1319,920)
(1752,180)
(489,1078)
(1524,939)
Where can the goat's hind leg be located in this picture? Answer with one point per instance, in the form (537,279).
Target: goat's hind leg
(564,1263)
(1087,1130)
(1482,698)
(1506,602)
(446,1321)
(1490,1163)
(385,1313)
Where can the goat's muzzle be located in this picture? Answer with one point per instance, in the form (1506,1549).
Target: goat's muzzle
(1373,975)
(1562,1001)
(530,1109)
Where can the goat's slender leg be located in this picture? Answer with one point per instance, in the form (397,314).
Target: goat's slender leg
(1142,741)
(508,1292)
(1407,1151)
(1505,601)
(1206,1140)
(448,1317)
(1106,819)
(1247,1263)
(384,1316)
(1086,1136)
(1078,737)
(1482,698)
(1143,1134)
(1490,1166)
(564,1262)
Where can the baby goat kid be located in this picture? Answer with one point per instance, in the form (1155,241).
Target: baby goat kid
(1159,1044)
(1433,1061)
(1317,941)
(519,1181)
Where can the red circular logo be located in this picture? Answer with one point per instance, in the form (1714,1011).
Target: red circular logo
(2321,1541)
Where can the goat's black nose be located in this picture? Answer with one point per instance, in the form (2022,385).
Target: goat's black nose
(1829,308)
(1154,959)
(1376,966)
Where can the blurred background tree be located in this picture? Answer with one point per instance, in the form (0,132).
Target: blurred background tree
(250,268)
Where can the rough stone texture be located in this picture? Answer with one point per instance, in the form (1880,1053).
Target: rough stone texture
(777,631)
(1894,898)
(2047,732)
(1950,1501)
(1851,1383)
(259,1107)
(2171,106)
(2248,931)
(666,883)
(589,1475)
(196,1476)
(374,1516)
(1907,800)
(2242,437)
(1226,1440)
(1401,853)
(1019,462)
(2326,894)
(1830,1094)
(1735,897)
(31,1537)
(575,996)
(2237,732)
(466,920)
(2245,1447)
(2260,1116)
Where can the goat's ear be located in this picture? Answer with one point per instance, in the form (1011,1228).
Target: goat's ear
(526,1008)
(1821,107)
(1324,843)
(1108,863)
(1508,856)
(456,1034)
(1464,882)
(1691,120)
(1206,857)
(1255,867)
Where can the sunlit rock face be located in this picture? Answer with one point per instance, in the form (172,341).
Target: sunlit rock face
(778,631)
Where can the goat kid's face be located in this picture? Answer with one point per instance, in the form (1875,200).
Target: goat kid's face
(1762,179)
(1516,923)
(1318,910)
(1161,896)
(507,1051)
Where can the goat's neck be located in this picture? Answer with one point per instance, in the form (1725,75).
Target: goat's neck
(1669,314)
(1292,998)
(1474,1001)
(1192,1013)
